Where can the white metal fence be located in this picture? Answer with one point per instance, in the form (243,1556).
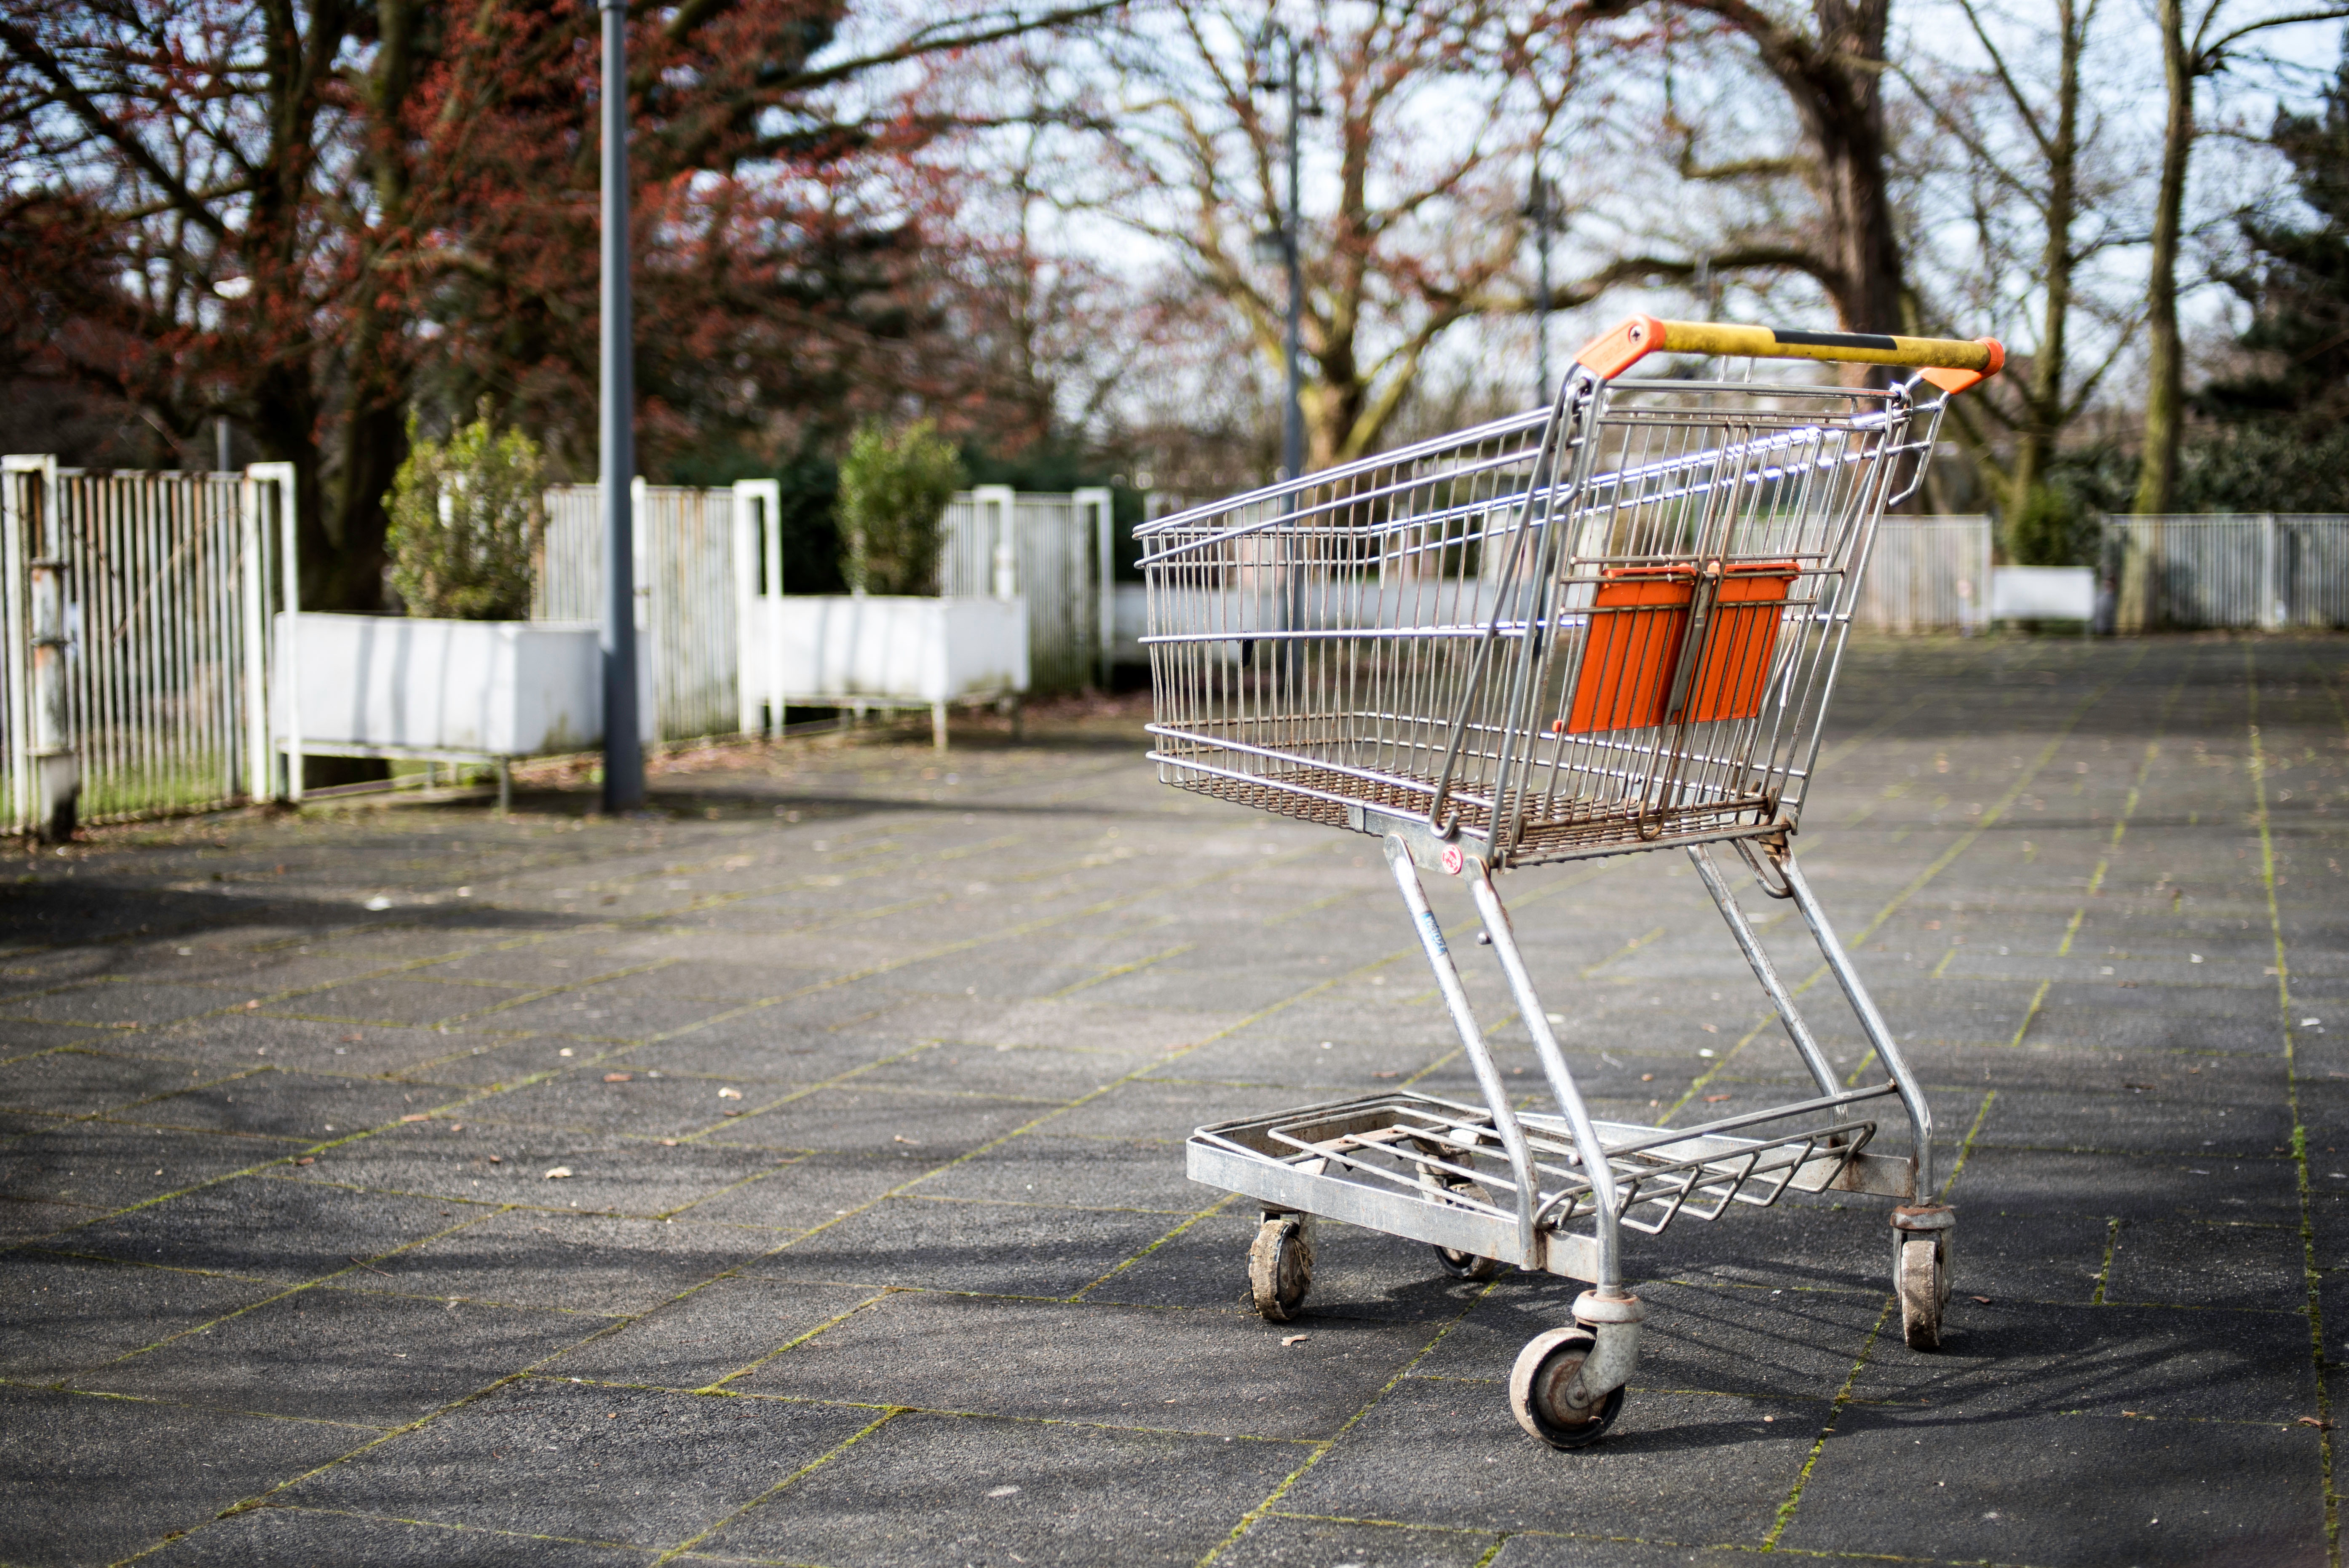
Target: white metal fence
(2217,571)
(133,606)
(1926,574)
(135,666)
(690,587)
(1057,551)
(2274,571)
(709,563)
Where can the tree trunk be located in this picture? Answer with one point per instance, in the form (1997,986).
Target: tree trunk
(347,570)
(1837,89)
(2042,400)
(2157,479)
(2165,397)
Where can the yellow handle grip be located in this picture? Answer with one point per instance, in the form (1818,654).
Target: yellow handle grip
(1949,363)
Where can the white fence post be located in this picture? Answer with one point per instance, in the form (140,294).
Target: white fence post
(2272,611)
(252,617)
(758,582)
(25,475)
(56,759)
(999,513)
(1103,505)
(277,478)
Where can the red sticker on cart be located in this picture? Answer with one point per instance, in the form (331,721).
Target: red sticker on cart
(1452,860)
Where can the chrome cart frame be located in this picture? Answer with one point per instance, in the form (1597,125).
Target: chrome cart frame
(1605,628)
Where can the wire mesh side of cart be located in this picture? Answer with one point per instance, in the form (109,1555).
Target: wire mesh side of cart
(1609,626)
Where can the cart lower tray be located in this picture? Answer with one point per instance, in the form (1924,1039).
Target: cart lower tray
(1433,1170)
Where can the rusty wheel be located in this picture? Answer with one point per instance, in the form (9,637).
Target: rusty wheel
(1541,1384)
(1461,1265)
(1280,1268)
(1923,1283)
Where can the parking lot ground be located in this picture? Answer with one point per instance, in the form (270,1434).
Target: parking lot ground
(794,1173)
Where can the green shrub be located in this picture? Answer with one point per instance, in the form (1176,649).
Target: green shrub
(894,492)
(2052,529)
(466,516)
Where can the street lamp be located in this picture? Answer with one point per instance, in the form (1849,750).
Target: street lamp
(624,757)
(1541,206)
(1277,63)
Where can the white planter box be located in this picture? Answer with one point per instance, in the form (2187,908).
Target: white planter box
(396,684)
(2042,593)
(835,650)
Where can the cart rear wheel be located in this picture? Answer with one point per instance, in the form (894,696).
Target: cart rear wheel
(1539,1383)
(1461,1265)
(1924,1286)
(1280,1268)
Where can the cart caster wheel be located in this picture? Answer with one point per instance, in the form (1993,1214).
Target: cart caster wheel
(1546,1369)
(1923,1283)
(1280,1268)
(1465,1265)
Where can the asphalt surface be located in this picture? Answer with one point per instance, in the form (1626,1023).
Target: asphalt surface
(796,1175)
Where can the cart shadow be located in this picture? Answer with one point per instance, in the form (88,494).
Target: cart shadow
(2006,1362)
(100,908)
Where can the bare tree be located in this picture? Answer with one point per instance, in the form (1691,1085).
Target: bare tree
(1049,337)
(2196,46)
(2033,168)
(1425,119)
(1829,65)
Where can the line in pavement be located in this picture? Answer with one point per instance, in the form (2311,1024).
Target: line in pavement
(2309,1271)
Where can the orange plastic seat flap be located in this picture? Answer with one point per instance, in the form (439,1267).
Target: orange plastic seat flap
(1638,623)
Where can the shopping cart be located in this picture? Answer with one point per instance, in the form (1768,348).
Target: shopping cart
(1607,627)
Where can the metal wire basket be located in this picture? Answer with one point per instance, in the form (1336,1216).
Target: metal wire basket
(1611,623)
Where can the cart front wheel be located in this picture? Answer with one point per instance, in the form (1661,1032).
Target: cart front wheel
(1538,1387)
(1280,1268)
(1463,1265)
(1923,1284)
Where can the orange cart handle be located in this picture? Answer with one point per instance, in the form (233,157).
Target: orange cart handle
(1948,363)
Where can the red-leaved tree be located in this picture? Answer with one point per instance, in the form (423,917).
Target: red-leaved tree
(304,215)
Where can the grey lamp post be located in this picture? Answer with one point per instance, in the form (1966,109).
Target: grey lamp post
(624,757)
(1541,206)
(1276,64)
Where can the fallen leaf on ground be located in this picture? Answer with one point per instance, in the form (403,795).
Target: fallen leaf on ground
(617,1078)
(558,1173)
(1294,1338)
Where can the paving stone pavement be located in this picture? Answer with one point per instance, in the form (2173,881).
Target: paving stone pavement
(795,1174)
